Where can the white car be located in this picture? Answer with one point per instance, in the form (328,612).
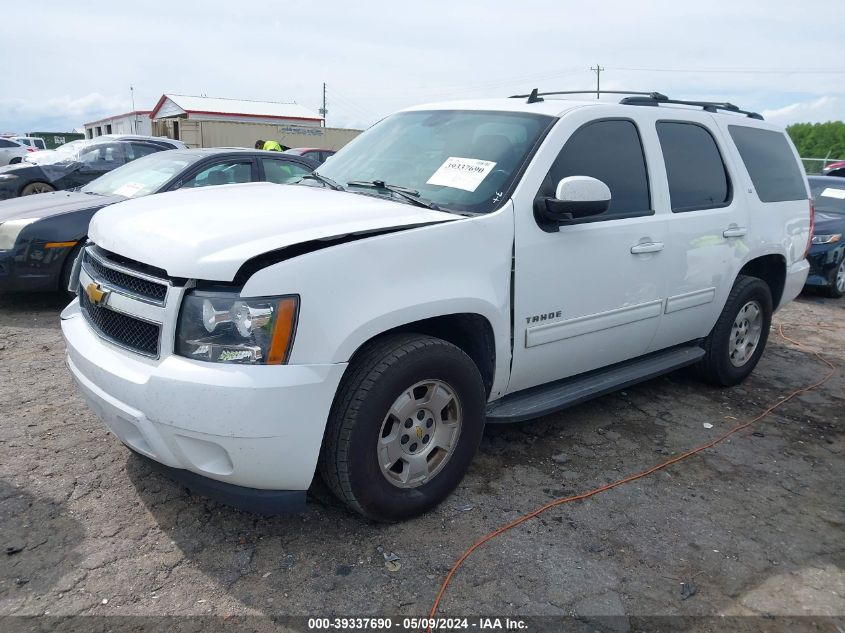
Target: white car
(456,264)
(33,142)
(11,151)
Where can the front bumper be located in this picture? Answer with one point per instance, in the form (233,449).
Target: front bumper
(258,428)
(31,268)
(823,260)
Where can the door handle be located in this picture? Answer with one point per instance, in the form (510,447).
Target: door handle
(646,247)
(734,231)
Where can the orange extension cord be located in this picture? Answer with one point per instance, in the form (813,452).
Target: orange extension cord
(586,495)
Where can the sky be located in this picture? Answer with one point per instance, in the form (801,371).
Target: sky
(785,59)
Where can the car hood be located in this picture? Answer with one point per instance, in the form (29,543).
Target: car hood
(45,205)
(209,233)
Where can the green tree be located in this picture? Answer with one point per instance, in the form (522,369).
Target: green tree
(819,140)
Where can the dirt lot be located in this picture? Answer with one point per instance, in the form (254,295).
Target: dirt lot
(752,526)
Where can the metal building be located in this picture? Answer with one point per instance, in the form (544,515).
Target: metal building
(137,122)
(218,122)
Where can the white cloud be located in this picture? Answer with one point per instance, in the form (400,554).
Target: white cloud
(429,51)
(26,115)
(817,111)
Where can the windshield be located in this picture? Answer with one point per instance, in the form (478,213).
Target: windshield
(142,176)
(828,198)
(459,160)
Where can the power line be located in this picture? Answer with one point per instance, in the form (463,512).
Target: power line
(749,71)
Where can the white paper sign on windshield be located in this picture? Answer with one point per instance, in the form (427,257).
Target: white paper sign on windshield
(129,189)
(461,173)
(830,192)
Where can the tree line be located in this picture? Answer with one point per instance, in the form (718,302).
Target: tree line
(819,140)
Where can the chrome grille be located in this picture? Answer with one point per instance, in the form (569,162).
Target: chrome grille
(122,280)
(123,330)
(125,306)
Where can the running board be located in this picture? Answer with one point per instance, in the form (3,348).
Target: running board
(539,401)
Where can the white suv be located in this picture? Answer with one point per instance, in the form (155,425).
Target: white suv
(458,263)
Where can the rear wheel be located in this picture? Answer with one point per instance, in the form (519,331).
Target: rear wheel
(837,281)
(739,337)
(405,425)
(37,187)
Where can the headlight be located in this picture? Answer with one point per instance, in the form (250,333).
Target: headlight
(10,230)
(224,328)
(827,239)
(8,176)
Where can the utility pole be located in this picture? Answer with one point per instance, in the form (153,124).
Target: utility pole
(132,94)
(323,109)
(597,70)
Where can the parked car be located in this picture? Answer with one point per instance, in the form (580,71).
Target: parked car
(50,155)
(835,169)
(314,153)
(68,170)
(41,235)
(11,151)
(827,254)
(456,264)
(32,142)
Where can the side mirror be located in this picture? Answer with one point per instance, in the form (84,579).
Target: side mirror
(575,197)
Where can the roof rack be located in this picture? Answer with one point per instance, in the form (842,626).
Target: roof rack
(643,99)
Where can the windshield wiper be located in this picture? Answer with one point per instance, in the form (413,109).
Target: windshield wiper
(331,184)
(411,195)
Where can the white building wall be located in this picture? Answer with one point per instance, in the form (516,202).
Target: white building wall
(120,125)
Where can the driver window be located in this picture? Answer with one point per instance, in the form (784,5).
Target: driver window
(611,151)
(225,173)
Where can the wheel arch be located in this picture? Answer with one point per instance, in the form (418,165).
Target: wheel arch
(469,331)
(771,269)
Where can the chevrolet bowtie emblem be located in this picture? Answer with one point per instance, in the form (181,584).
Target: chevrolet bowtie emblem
(95,293)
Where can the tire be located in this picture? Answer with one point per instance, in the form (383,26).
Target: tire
(37,187)
(67,269)
(729,358)
(362,431)
(837,281)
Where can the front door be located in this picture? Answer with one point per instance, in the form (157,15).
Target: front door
(590,294)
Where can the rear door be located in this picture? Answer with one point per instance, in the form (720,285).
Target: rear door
(707,238)
(590,294)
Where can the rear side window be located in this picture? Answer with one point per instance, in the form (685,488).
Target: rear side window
(5,143)
(694,167)
(770,163)
(612,152)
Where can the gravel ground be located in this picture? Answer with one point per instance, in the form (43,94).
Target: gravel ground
(752,526)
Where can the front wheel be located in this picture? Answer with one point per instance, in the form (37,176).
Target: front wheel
(837,281)
(37,187)
(739,337)
(404,427)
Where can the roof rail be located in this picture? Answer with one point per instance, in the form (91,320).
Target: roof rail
(642,99)
(535,96)
(707,106)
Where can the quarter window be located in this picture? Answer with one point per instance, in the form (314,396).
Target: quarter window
(612,152)
(694,167)
(770,163)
